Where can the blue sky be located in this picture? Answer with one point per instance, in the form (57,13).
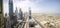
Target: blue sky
(37,6)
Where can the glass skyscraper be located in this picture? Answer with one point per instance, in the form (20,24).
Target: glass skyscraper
(10,7)
(11,12)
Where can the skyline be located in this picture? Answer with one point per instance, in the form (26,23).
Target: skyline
(37,6)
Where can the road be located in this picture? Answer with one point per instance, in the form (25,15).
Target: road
(39,23)
(42,26)
(25,24)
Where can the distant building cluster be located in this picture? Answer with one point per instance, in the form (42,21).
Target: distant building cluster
(11,19)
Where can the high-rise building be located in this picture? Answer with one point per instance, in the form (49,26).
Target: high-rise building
(10,7)
(20,14)
(11,12)
(13,20)
(7,21)
(16,12)
(1,15)
(30,13)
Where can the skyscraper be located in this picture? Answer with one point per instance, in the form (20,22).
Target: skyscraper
(10,7)
(7,21)
(29,13)
(11,12)
(20,14)
(1,15)
(16,12)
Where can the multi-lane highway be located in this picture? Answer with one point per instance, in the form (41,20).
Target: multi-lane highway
(25,24)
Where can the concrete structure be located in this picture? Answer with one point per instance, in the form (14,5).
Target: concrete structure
(1,15)
(20,14)
(16,13)
(7,21)
(13,20)
(30,13)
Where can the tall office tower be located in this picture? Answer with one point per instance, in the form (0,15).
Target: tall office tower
(7,21)
(20,14)
(10,7)
(29,13)
(16,12)
(1,15)
(11,12)
(13,20)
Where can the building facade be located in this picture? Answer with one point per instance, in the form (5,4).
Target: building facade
(16,13)
(7,21)
(10,7)
(1,15)
(30,13)
(11,12)
(20,14)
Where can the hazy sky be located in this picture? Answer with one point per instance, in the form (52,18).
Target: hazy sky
(37,6)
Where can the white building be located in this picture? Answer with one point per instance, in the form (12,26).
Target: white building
(7,22)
